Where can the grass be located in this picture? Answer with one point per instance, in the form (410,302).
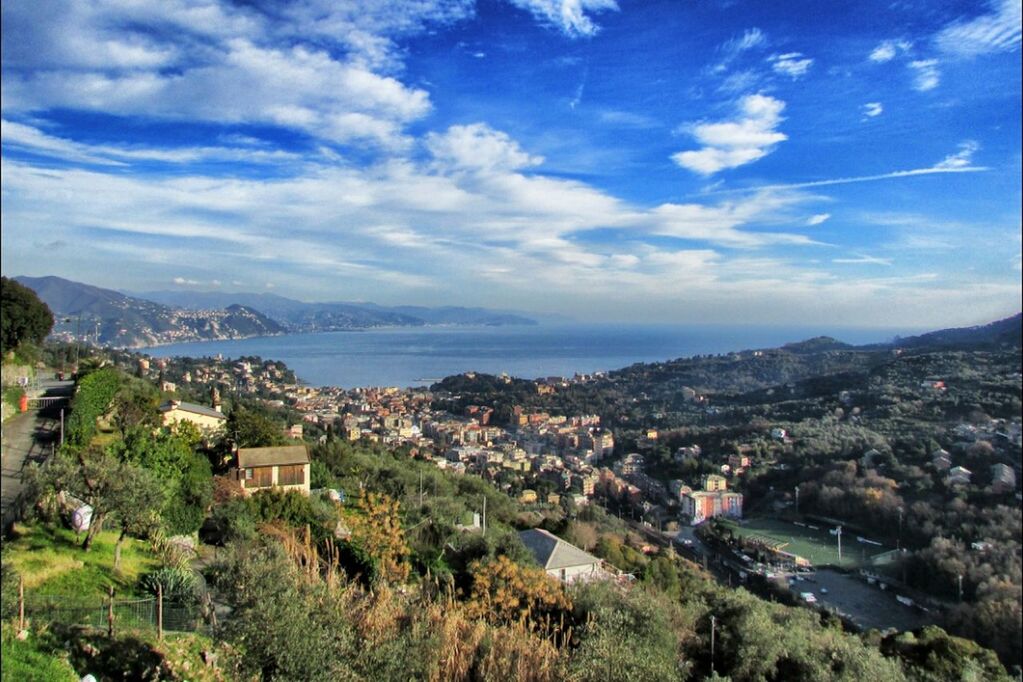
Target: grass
(52,562)
(31,660)
(818,546)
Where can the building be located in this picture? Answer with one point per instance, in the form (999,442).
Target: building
(528,496)
(941,460)
(1003,478)
(285,467)
(632,464)
(207,419)
(560,559)
(738,462)
(701,505)
(959,476)
(714,483)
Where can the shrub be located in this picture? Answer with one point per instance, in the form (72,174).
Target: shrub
(179,584)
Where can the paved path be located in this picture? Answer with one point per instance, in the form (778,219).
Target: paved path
(28,437)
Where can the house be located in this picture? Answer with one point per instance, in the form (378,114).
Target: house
(285,467)
(941,460)
(959,476)
(738,462)
(208,419)
(779,433)
(1003,478)
(560,559)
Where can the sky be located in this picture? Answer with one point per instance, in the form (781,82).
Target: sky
(712,161)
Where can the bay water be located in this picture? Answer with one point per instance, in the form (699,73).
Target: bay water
(420,356)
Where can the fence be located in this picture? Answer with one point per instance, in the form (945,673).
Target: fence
(112,614)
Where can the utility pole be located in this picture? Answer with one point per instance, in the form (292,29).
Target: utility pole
(62,426)
(838,532)
(898,544)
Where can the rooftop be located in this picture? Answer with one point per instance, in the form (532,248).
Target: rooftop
(550,551)
(191,407)
(272,456)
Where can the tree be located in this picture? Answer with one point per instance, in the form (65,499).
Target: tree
(248,429)
(136,404)
(23,317)
(506,592)
(185,476)
(376,528)
(100,481)
(137,506)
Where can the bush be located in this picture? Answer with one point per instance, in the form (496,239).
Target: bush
(92,399)
(179,584)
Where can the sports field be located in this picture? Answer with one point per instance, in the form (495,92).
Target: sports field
(817,545)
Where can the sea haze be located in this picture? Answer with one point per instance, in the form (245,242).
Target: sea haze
(421,356)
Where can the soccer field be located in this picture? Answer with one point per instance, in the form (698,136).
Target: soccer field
(817,545)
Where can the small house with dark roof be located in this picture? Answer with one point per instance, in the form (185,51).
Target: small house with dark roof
(562,560)
(208,419)
(285,467)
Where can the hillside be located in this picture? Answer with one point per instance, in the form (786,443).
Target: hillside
(1003,333)
(301,316)
(111,318)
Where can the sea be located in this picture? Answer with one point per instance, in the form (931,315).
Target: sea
(420,356)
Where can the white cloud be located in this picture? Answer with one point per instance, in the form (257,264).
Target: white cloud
(751,37)
(885,52)
(18,135)
(480,147)
(729,144)
(182,282)
(863,260)
(205,61)
(872,109)
(996,31)
(961,159)
(926,75)
(793,64)
(817,219)
(569,16)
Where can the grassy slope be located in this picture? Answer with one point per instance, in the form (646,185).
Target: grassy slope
(32,660)
(52,562)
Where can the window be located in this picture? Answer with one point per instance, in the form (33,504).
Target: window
(259,477)
(293,474)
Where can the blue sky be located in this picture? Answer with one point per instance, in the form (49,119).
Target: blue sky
(716,161)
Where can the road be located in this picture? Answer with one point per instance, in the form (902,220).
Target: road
(29,437)
(865,605)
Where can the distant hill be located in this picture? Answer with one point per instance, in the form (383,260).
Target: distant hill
(128,320)
(1003,333)
(111,318)
(300,316)
(817,344)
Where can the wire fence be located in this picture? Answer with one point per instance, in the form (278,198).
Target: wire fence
(112,614)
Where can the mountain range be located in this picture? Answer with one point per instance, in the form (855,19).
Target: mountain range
(123,319)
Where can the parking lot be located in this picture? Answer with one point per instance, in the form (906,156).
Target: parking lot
(866,605)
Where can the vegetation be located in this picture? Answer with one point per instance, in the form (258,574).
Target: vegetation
(24,319)
(382,580)
(94,394)
(31,660)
